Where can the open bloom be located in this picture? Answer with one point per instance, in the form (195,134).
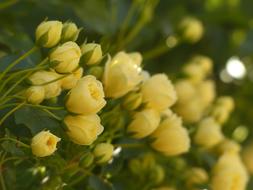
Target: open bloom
(158,92)
(48,33)
(121,75)
(47,80)
(171,138)
(44,144)
(83,129)
(87,96)
(144,123)
(229,173)
(65,58)
(103,152)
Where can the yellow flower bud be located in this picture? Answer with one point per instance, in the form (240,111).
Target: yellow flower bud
(144,123)
(92,52)
(247,157)
(196,176)
(41,78)
(132,101)
(87,97)
(220,114)
(83,129)
(229,173)
(35,94)
(70,81)
(65,58)
(103,152)
(158,92)
(206,91)
(227,102)
(185,91)
(208,133)
(121,75)
(48,33)
(69,32)
(44,144)
(191,29)
(171,138)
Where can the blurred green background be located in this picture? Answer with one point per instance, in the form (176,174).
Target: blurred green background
(143,25)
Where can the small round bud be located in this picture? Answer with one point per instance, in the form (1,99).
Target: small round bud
(48,33)
(35,94)
(103,152)
(92,53)
(69,32)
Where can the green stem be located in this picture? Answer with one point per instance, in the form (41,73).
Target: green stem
(129,145)
(2,179)
(156,52)
(43,84)
(14,140)
(11,112)
(45,107)
(14,63)
(7,4)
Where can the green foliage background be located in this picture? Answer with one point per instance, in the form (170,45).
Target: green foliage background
(228,32)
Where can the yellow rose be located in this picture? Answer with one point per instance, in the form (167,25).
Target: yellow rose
(196,176)
(185,91)
(191,29)
(40,78)
(247,157)
(69,32)
(191,111)
(229,173)
(103,152)
(93,52)
(121,75)
(144,123)
(87,97)
(48,33)
(208,133)
(132,101)
(83,129)
(171,138)
(65,58)
(35,94)
(44,144)
(70,81)
(206,91)
(158,92)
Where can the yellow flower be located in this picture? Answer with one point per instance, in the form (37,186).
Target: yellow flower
(191,111)
(191,29)
(65,58)
(158,92)
(103,152)
(41,78)
(198,68)
(69,32)
(171,138)
(87,97)
(35,94)
(228,145)
(196,176)
(227,102)
(70,81)
(83,129)
(121,75)
(208,133)
(144,123)
(247,156)
(229,173)
(48,33)
(206,91)
(136,57)
(93,52)
(44,144)
(185,91)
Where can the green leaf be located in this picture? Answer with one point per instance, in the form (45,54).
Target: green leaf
(36,120)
